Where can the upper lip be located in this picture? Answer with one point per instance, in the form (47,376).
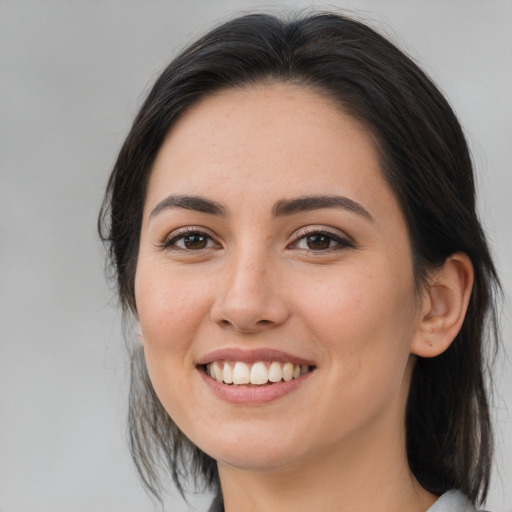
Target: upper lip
(252,356)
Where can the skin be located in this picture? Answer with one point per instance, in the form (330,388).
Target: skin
(337,441)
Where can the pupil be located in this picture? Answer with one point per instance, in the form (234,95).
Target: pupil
(318,242)
(195,242)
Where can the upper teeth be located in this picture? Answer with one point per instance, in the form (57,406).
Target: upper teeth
(258,373)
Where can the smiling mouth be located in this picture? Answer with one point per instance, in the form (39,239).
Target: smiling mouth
(260,373)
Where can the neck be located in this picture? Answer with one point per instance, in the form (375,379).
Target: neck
(369,471)
(338,483)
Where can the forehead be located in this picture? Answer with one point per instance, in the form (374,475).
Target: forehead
(268,141)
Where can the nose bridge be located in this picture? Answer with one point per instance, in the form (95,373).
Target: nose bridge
(248,298)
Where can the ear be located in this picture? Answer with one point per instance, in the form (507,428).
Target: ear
(138,331)
(444,305)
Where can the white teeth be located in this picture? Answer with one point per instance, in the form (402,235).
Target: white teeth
(259,374)
(241,373)
(217,372)
(256,374)
(287,371)
(275,373)
(228,374)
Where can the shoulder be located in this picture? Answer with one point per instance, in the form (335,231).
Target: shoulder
(453,501)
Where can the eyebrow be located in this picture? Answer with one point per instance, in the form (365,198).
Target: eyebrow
(196,203)
(282,208)
(308,203)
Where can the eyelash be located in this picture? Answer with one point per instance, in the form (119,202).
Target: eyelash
(340,241)
(170,243)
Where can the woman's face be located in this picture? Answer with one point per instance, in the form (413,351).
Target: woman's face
(270,236)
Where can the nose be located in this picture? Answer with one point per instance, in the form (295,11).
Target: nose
(250,298)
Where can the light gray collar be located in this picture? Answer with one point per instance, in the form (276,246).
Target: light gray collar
(452,501)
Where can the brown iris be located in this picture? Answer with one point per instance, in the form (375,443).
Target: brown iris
(318,242)
(195,241)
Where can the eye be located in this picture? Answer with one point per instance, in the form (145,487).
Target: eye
(190,239)
(320,241)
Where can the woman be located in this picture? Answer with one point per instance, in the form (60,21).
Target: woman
(292,224)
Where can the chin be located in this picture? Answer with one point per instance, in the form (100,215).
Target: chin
(261,454)
(256,460)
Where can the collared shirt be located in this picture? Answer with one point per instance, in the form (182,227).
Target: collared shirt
(451,501)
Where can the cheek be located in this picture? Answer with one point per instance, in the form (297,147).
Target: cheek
(354,299)
(170,308)
(171,312)
(364,321)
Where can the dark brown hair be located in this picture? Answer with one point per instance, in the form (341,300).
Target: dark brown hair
(426,161)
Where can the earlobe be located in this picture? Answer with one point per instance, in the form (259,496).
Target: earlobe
(444,306)
(138,331)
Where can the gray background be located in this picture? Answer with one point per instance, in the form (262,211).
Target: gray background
(71,79)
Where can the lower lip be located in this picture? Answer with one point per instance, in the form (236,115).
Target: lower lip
(253,395)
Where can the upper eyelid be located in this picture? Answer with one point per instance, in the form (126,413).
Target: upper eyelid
(342,239)
(189,229)
(183,231)
(308,230)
